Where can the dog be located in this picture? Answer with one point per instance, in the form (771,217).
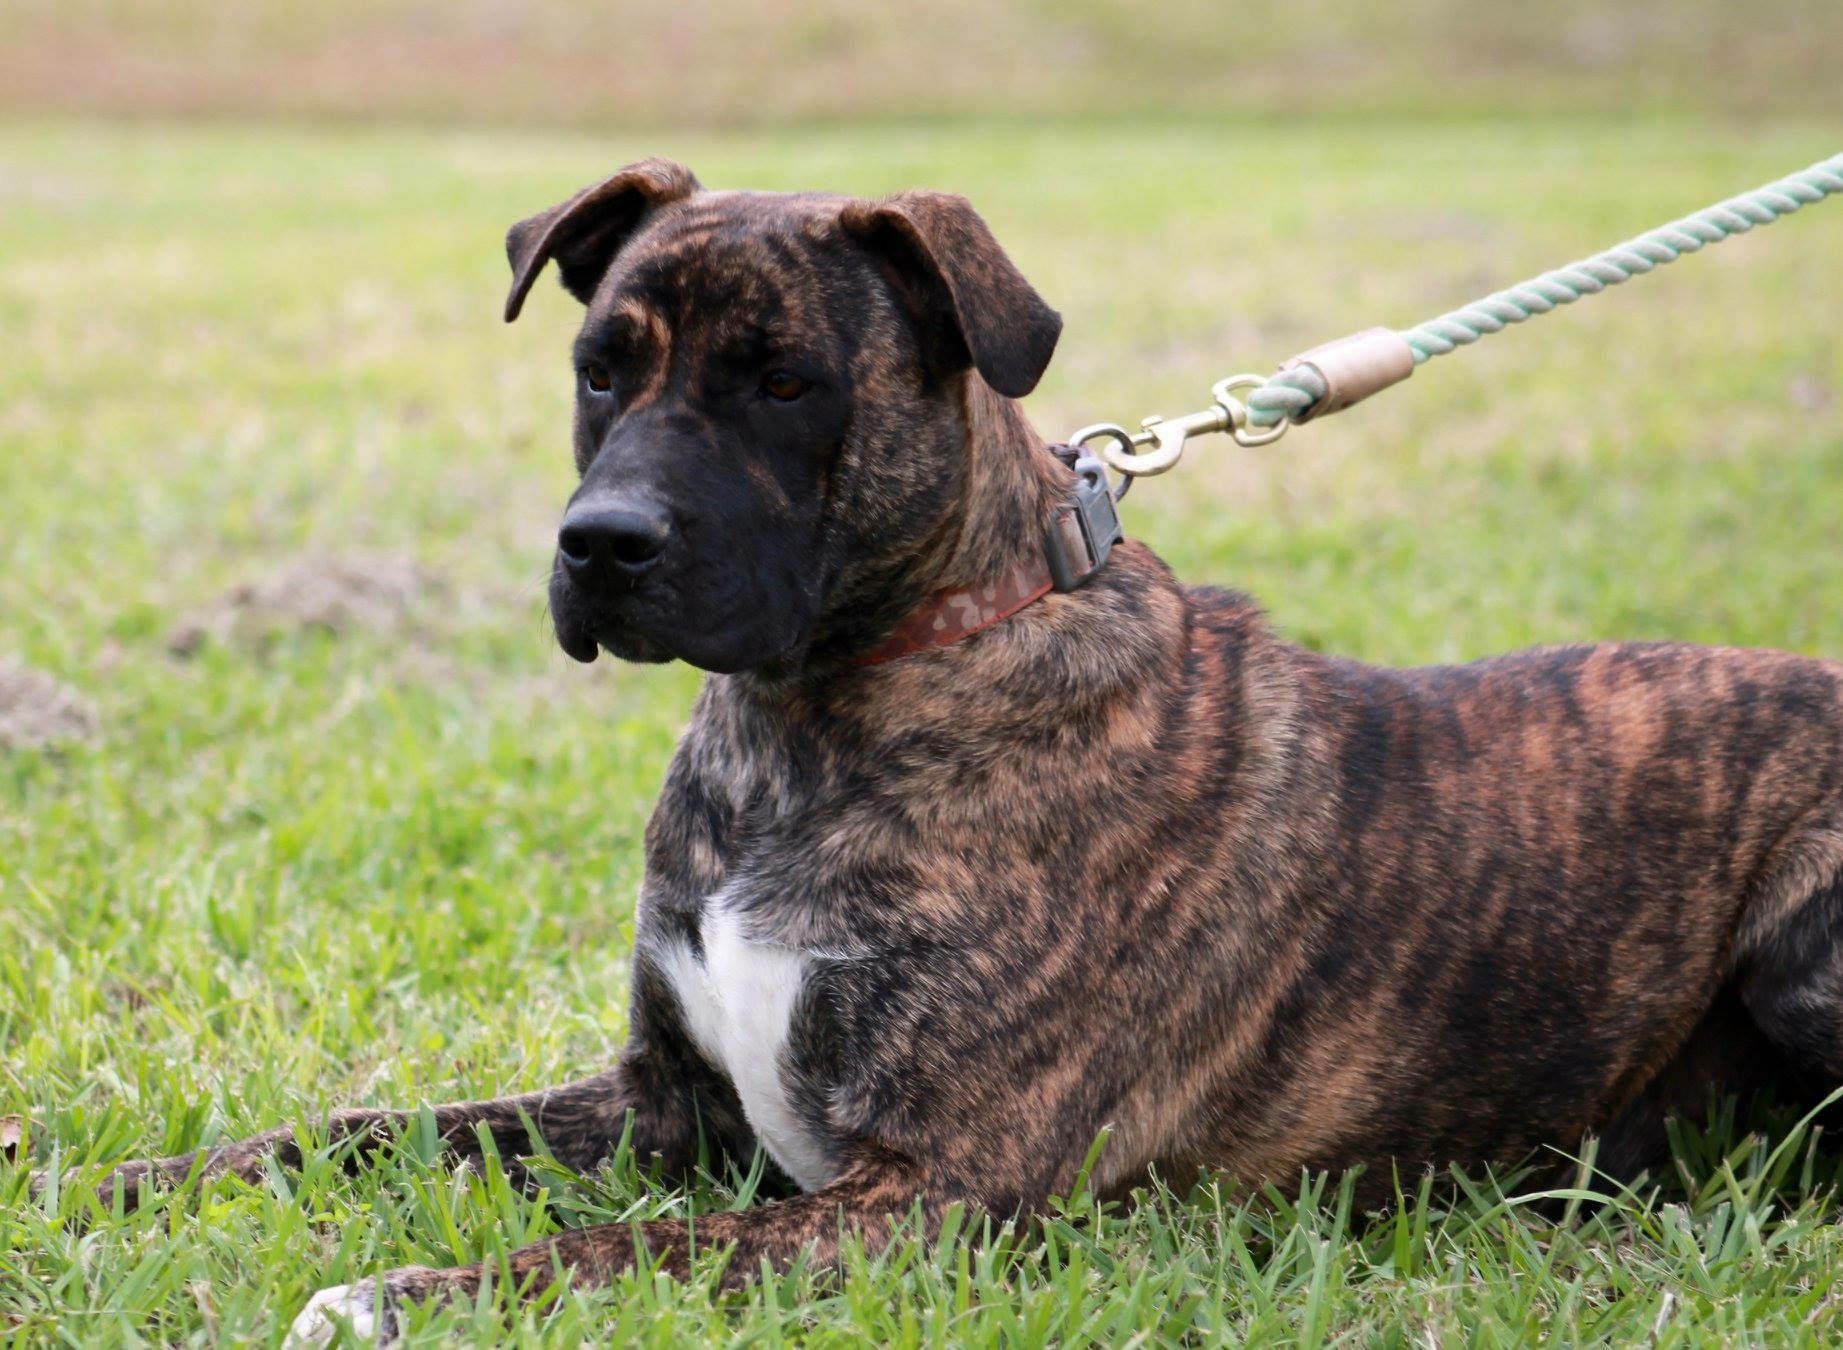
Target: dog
(987,837)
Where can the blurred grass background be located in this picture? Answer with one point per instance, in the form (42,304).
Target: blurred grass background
(383,848)
(738,63)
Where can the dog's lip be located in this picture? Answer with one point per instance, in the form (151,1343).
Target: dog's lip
(633,646)
(584,639)
(575,636)
(635,642)
(578,646)
(627,629)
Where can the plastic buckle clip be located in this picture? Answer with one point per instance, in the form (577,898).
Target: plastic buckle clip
(1084,528)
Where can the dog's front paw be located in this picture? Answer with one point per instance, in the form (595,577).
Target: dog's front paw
(362,1310)
(136,1183)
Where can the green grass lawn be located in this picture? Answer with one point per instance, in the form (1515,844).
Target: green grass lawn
(392,857)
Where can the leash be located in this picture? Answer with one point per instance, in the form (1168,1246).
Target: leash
(1331,377)
(1326,379)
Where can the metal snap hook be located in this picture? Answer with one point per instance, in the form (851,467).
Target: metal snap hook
(1239,429)
(1119,451)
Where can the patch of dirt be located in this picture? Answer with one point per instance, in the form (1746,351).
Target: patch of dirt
(335,595)
(36,710)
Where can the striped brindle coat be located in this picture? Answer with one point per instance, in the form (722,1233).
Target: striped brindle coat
(1126,861)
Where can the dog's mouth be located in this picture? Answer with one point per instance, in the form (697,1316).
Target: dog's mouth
(584,641)
(584,631)
(725,635)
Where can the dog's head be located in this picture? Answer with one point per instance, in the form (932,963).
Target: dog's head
(765,402)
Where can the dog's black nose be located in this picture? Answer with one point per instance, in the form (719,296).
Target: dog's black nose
(615,538)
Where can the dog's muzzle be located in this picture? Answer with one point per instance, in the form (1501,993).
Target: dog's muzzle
(606,546)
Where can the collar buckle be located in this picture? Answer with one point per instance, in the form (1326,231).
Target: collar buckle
(1084,529)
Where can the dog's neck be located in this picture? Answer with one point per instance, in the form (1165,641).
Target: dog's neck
(977,566)
(1012,485)
(983,569)
(995,484)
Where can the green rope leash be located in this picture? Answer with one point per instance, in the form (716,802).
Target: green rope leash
(1292,394)
(1338,374)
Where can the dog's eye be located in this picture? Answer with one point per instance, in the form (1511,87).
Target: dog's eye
(597,378)
(784,385)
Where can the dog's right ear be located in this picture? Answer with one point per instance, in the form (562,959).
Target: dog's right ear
(584,233)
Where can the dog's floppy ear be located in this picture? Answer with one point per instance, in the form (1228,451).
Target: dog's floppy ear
(969,301)
(584,233)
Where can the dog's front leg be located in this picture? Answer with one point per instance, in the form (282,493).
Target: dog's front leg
(874,1186)
(578,1123)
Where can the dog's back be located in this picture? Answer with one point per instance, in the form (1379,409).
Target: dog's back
(1526,881)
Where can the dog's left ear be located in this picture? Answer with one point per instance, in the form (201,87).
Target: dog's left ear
(584,233)
(968,300)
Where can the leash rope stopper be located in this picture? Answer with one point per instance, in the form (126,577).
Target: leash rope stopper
(1351,369)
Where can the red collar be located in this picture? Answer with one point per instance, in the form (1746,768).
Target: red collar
(951,615)
(1081,533)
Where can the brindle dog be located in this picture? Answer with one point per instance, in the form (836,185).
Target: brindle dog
(923,928)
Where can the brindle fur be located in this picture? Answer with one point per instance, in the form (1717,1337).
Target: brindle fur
(1127,860)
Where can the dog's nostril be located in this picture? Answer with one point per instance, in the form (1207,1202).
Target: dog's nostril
(625,538)
(634,549)
(573,544)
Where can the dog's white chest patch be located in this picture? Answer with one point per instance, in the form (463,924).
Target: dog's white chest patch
(738,1003)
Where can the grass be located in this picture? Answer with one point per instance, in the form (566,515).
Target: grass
(397,863)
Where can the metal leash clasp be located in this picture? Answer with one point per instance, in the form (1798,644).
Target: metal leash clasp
(1121,449)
